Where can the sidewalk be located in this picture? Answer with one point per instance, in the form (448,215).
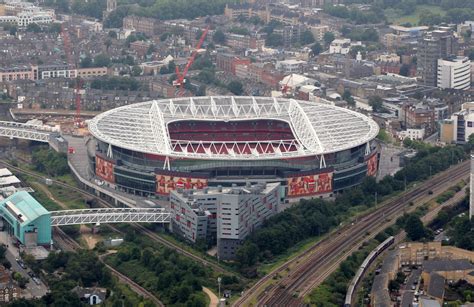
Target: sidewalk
(214,299)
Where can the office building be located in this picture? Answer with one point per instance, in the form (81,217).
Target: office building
(454,73)
(437,44)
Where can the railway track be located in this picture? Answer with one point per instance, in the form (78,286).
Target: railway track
(103,203)
(311,267)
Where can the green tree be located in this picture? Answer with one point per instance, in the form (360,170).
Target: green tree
(414,228)
(247,254)
(219,37)
(376,103)
(348,98)
(328,38)
(101,60)
(274,40)
(316,48)
(307,37)
(235,87)
(136,70)
(33,27)
(86,62)
(164,36)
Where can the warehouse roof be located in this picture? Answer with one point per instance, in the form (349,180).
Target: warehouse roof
(24,207)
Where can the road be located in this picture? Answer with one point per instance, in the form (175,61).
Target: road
(409,293)
(32,289)
(313,266)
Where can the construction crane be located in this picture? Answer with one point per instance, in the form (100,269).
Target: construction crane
(286,87)
(78,85)
(180,77)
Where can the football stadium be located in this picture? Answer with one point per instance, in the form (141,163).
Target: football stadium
(312,149)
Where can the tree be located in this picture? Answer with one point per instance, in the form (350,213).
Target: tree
(86,62)
(376,103)
(348,98)
(414,228)
(328,37)
(405,70)
(112,34)
(235,87)
(247,254)
(316,48)
(355,50)
(219,37)
(33,27)
(274,40)
(101,60)
(307,37)
(164,36)
(136,70)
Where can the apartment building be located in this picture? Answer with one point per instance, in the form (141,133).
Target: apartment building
(227,215)
(437,44)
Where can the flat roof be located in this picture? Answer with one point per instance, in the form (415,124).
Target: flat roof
(26,204)
(9,180)
(5,172)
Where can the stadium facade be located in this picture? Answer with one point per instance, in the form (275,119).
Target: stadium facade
(312,149)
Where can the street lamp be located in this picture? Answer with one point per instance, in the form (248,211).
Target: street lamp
(219,280)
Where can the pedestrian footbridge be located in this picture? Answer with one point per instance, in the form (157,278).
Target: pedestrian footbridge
(109,215)
(15,130)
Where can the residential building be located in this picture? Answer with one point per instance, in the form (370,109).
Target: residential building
(291,33)
(461,124)
(140,24)
(290,66)
(24,13)
(243,42)
(342,45)
(412,134)
(8,289)
(318,31)
(16,73)
(228,62)
(454,73)
(419,117)
(91,72)
(437,44)
(56,71)
(90,296)
(227,215)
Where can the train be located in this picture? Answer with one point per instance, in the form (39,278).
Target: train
(363,268)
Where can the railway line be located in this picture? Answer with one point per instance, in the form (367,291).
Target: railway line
(310,268)
(103,203)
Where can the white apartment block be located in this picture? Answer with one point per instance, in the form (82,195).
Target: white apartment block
(24,13)
(342,45)
(290,66)
(227,215)
(454,73)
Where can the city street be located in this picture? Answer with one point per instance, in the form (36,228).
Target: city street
(408,293)
(32,289)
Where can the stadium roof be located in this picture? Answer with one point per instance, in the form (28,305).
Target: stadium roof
(318,128)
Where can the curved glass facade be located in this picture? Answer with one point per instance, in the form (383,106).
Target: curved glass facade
(136,172)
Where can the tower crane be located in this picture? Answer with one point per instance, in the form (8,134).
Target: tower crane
(180,77)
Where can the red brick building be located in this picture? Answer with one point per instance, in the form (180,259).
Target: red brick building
(228,62)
